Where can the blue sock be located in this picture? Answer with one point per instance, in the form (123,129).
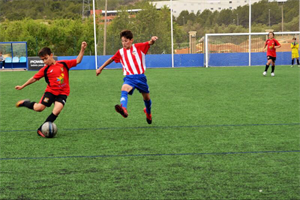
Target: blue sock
(124,99)
(148,106)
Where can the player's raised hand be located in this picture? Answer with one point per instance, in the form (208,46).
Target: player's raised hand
(83,45)
(18,87)
(154,38)
(81,53)
(98,71)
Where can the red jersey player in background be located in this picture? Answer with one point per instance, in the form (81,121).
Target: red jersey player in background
(132,58)
(56,74)
(271,45)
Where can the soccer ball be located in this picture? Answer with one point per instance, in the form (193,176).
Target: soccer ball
(49,129)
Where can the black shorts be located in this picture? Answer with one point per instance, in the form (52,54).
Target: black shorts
(49,98)
(272,58)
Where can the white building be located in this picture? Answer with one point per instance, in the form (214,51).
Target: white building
(193,6)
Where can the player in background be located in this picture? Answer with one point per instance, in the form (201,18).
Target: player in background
(2,60)
(56,74)
(295,53)
(271,44)
(132,58)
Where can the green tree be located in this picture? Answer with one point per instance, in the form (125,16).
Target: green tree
(183,17)
(145,24)
(204,18)
(225,17)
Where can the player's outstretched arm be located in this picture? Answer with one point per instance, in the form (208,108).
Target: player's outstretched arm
(276,47)
(153,39)
(98,71)
(81,53)
(264,48)
(30,81)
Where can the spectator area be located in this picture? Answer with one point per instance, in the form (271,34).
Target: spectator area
(16,60)
(15,54)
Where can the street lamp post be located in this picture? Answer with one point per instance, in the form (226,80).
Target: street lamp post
(269,17)
(105,27)
(250,32)
(172,34)
(282,17)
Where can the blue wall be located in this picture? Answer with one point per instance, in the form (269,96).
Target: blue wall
(187,60)
(16,65)
(152,61)
(242,59)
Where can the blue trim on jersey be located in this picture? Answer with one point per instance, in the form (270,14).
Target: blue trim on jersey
(137,81)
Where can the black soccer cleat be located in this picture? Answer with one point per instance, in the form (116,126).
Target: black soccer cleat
(21,103)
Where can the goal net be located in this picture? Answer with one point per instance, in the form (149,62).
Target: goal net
(245,49)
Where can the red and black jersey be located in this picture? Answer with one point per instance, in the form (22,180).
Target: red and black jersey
(271,43)
(57,76)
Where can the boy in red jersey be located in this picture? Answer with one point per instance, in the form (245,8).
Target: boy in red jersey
(132,58)
(56,74)
(271,45)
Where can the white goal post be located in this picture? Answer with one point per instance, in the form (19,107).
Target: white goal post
(209,41)
(95,35)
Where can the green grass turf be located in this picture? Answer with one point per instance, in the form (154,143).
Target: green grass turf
(217,133)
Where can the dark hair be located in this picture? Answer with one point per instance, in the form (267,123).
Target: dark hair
(127,34)
(294,38)
(272,33)
(45,51)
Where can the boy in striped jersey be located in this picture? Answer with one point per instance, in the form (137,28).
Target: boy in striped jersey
(132,58)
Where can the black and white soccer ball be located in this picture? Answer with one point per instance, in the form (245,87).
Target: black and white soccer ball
(49,129)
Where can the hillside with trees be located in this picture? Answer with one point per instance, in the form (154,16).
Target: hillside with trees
(237,20)
(65,35)
(51,9)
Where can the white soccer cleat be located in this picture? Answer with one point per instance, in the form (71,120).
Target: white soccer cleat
(272,74)
(264,73)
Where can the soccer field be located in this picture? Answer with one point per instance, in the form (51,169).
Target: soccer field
(217,133)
